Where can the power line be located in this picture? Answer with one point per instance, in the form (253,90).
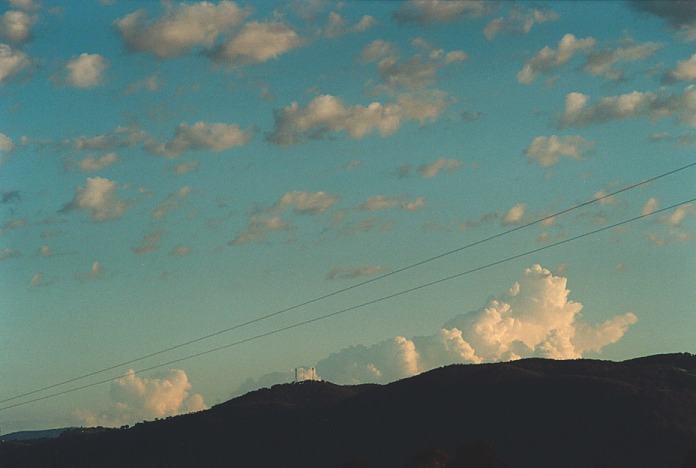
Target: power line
(353,286)
(354,307)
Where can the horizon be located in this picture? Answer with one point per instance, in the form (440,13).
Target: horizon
(376,180)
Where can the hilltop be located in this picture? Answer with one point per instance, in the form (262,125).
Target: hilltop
(522,414)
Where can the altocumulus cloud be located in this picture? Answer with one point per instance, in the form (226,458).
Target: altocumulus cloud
(534,317)
(85,70)
(136,398)
(201,136)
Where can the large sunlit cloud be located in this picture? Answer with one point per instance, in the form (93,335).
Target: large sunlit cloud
(98,197)
(547,151)
(181,28)
(15,26)
(441,11)
(518,21)
(201,136)
(547,59)
(12,61)
(327,114)
(580,112)
(86,70)
(257,42)
(136,398)
(534,318)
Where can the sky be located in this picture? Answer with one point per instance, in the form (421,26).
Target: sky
(169,169)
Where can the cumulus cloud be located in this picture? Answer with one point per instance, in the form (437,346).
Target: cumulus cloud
(306,202)
(180,251)
(120,137)
(515,214)
(149,243)
(93,164)
(578,112)
(95,272)
(414,73)
(150,83)
(269,219)
(603,62)
(518,21)
(677,217)
(256,43)
(336,25)
(258,228)
(357,272)
(136,398)
(684,71)
(181,28)
(428,171)
(6,147)
(185,167)
(441,11)
(201,136)
(12,61)
(15,26)
(651,204)
(327,114)
(547,151)
(382,202)
(36,280)
(99,198)
(547,59)
(86,70)
(7,252)
(534,318)
(170,203)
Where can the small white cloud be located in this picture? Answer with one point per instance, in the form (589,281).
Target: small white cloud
(12,61)
(428,171)
(171,203)
(258,228)
(306,202)
(201,136)
(518,21)
(86,70)
(180,251)
(327,114)
(441,11)
(15,26)
(515,214)
(256,43)
(684,71)
(99,198)
(7,252)
(185,167)
(382,202)
(677,217)
(36,280)
(547,151)
(578,112)
(650,206)
(149,243)
(603,62)
(93,164)
(45,251)
(548,59)
(336,25)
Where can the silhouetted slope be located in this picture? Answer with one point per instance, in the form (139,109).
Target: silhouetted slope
(530,413)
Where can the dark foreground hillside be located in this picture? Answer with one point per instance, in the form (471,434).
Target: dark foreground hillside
(532,413)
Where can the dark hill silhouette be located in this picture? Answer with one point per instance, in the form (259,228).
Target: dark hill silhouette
(531,413)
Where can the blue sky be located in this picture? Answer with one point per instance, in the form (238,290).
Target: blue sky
(170,169)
